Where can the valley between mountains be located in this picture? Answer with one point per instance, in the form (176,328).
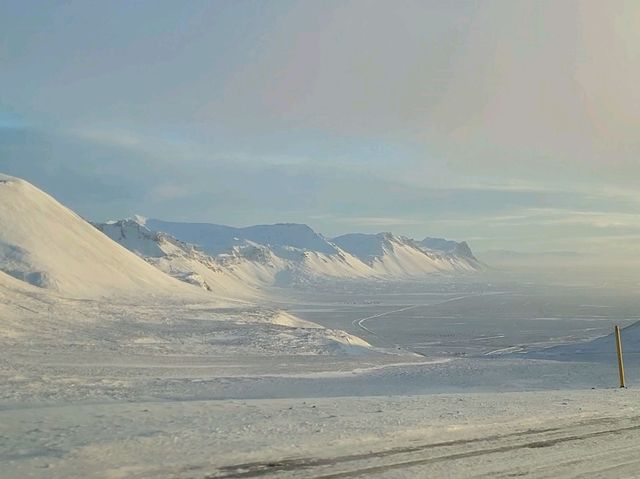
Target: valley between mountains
(145,348)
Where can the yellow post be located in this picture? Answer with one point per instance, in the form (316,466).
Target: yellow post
(619,350)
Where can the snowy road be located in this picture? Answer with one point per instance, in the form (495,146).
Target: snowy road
(360,323)
(588,448)
(550,434)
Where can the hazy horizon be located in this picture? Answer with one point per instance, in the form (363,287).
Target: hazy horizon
(508,124)
(164,349)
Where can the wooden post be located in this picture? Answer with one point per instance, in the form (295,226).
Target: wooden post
(619,351)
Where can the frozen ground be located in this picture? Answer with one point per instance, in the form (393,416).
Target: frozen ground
(533,434)
(95,388)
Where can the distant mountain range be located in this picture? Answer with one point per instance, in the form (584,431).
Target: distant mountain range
(224,257)
(46,245)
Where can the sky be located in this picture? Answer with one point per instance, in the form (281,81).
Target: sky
(512,124)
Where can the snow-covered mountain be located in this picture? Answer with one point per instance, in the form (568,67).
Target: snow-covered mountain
(245,266)
(239,273)
(448,246)
(298,249)
(215,239)
(47,245)
(225,258)
(397,256)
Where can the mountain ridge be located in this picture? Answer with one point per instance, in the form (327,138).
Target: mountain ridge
(283,253)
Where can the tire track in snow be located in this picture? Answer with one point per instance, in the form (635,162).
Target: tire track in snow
(481,452)
(503,443)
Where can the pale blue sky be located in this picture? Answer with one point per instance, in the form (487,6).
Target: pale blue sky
(513,124)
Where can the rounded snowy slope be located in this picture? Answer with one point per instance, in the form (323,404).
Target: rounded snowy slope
(599,349)
(47,245)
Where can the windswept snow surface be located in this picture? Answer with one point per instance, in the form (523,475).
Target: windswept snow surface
(557,434)
(182,390)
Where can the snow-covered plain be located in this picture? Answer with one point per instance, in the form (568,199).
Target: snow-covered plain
(551,434)
(136,374)
(108,389)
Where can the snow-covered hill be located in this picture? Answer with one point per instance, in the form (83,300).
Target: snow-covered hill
(47,245)
(599,349)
